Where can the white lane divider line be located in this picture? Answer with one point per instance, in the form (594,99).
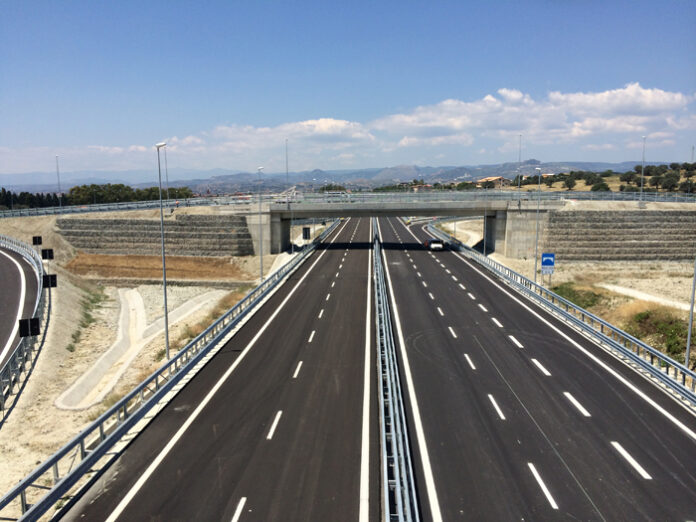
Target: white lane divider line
(238,511)
(514,340)
(454,278)
(452,332)
(496,322)
(618,447)
(575,403)
(430,295)
(541,368)
(543,487)
(415,267)
(297,370)
(483,307)
(448,270)
(311,336)
(321,312)
(472,296)
(328,296)
(468,359)
(336,274)
(333,283)
(462,286)
(340,266)
(440,311)
(419,274)
(425,284)
(497,408)
(274,425)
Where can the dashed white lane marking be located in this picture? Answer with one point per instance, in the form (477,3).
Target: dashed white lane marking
(415,267)
(462,286)
(311,336)
(297,370)
(483,307)
(340,266)
(497,408)
(471,295)
(238,511)
(454,278)
(425,284)
(468,359)
(517,343)
(419,274)
(543,487)
(618,447)
(328,296)
(496,322)
(430,295)
(448,270)
(452,332)
(274,425)
(541,368)
(336,274)
(333,283)
(440,311)
(321,312)
(575,403)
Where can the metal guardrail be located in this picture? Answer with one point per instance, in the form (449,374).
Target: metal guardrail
(676,377)
(52,481)
(21,361)
(398,483)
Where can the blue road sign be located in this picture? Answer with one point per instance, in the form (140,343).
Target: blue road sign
(548,260)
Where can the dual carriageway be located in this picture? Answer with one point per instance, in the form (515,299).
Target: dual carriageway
(511,414)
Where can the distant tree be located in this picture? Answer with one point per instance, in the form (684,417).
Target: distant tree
(569,183)
(548,181)
(638,169)
(465,185)
(675,166)
(591,178)
(630,188)
(669,183)
(600,186)
(655,181)
(688,174)
(627,177)
(687,186)
(488,185)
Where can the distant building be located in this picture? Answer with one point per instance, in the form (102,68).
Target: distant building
(498,181)
(422,188)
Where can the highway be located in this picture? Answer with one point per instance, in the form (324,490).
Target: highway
(19,285)
(513,415)
(281,424)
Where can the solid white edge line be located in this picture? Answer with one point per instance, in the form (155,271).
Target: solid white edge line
(433,501)
(626,455)
(297,370)
(497,323)
(452,332)
(126,499)
(311,336)
(690,433)
(577,404)
(468,359)
(274,425)
(543,487)
(365,449)
(497,408)
(482,307)
(514,340)
(238,511)
(20,308)
(541,368)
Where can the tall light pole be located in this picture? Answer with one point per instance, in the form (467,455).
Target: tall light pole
(166,174)
(519,172)
(164,265)
(259,169)
(642,170)
(287,180)
(691,319)
(536,243)
(60,202)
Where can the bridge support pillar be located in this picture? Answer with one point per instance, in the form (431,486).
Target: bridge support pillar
(520,232)
(280,234)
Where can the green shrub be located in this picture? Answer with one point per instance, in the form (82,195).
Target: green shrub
(582,298)
(667,331)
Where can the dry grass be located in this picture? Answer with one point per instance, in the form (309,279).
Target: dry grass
(150,267)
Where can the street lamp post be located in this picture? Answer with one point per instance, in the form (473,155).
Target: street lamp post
(642,170)
(164,265)
(691,318)
(259,169)
(287,180)
(536,243)
(519,174)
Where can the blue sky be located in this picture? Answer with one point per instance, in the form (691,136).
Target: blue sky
(350,85)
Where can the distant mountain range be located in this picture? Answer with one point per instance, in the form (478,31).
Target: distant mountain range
(218,181)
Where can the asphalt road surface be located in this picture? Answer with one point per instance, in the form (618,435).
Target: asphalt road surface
(281,424)
(514,416)
(18,287)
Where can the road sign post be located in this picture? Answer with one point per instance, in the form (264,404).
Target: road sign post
(548,263)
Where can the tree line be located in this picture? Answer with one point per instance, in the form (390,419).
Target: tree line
(86,195)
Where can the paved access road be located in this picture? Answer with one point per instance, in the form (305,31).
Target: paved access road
(514,416)
(281,424)
(18,288)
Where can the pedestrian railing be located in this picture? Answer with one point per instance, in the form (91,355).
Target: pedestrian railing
(673,375)
(54,482)
(18,367)
(399,500)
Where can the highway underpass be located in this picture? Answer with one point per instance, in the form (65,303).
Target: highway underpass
(511,414)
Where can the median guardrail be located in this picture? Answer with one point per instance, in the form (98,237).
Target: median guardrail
(15,371)
(399,497)
(53,481)
(677,378)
